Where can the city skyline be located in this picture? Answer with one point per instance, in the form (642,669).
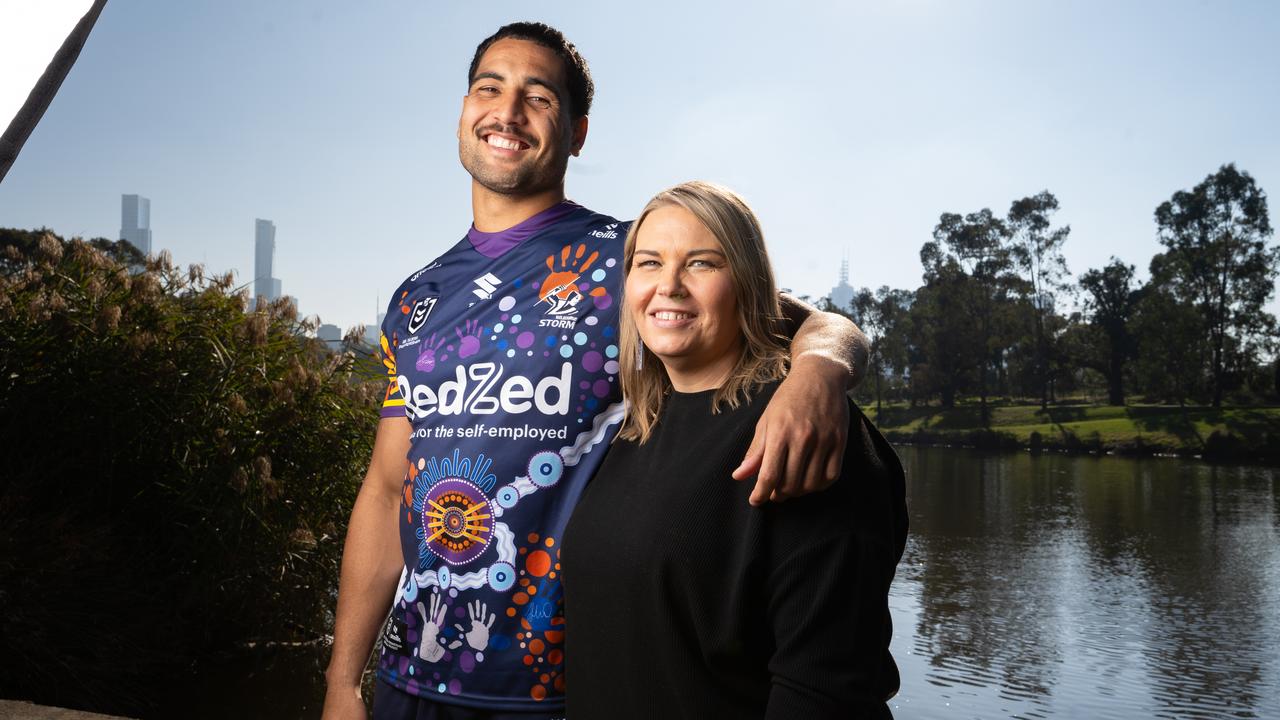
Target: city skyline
(859,128)
(135,222)
(265,283)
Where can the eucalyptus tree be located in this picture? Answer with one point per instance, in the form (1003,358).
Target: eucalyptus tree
(1110,300)
(1036,248)
(1218,258)
(882,315)
(972,254)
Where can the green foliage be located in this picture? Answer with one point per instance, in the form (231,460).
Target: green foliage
(1218,259)
(177,473)
(1037,250)
(986,321)
(1111,301)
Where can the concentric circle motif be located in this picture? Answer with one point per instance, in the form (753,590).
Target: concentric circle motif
(443,576)
(457,519)
(508,497)
(545,468)
(502,576)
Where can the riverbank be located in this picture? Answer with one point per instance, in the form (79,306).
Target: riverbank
(1246,434)
(20,710)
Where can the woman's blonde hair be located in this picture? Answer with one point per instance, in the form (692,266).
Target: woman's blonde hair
(727,216)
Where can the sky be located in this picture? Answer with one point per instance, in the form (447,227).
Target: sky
(849,126)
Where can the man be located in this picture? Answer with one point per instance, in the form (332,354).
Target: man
(502,401)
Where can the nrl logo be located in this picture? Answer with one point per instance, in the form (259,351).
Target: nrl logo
(421,310)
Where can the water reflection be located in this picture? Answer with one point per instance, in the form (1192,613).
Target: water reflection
(1032,587)
(1056,586)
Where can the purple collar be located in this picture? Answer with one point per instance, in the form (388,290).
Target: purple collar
(495,244)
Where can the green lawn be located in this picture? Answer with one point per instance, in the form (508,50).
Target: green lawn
(1247,431)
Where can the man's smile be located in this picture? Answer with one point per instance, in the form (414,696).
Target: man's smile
(504,141)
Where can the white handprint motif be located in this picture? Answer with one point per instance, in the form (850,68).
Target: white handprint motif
(429,649)
(478,636)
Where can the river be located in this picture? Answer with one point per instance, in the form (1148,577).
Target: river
(1060,586)
(1033,586)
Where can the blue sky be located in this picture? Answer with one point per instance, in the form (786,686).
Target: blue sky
(849,126)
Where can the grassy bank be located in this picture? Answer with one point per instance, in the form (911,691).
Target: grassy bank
(1237,433)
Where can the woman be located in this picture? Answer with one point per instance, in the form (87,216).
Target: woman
(685,600)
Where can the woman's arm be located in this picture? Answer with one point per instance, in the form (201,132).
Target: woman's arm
(800,438)
(832,558)
(831,630)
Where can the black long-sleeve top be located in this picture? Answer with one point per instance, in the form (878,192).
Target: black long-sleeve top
(684,601)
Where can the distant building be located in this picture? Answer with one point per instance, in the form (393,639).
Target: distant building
(842,294)
(135,222)
(331,335)
(371,332)
(265,284)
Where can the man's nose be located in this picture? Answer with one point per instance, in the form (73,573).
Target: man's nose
(509,109)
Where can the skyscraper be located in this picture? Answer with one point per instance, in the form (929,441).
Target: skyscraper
(842,295)
(264,253)
(135,222)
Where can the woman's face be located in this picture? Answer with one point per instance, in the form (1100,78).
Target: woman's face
(681,296)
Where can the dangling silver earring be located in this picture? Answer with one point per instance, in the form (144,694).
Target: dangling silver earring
(639,352)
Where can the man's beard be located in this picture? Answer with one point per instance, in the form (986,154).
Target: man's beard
(527,178)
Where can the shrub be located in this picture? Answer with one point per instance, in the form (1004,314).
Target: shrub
(176,475)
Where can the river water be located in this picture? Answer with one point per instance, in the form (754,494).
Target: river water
(1041,586)
(1033,586)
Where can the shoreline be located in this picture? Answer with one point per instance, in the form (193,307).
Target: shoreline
(1238,435)
(26,710)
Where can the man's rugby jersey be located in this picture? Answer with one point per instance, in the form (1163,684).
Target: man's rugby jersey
(503,355)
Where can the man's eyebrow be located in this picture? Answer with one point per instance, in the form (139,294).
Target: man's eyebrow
(535,80)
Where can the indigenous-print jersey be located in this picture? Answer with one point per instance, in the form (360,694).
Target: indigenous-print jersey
(502,353)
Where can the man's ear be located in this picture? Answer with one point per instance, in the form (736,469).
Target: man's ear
(579,135)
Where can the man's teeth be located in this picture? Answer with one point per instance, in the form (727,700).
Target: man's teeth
(667,315)
(504,143)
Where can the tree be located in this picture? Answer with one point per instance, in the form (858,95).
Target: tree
(1037,250)
(970,261)
(1171,347)
(1110,302)
(882,315)
(1218,259)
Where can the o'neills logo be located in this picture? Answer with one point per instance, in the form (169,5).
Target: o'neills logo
(610,232)
(480,389)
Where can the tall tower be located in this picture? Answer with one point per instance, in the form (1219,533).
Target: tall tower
(135,222)
(264,253)
(842,294)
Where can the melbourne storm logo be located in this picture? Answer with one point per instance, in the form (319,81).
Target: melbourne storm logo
(563,288)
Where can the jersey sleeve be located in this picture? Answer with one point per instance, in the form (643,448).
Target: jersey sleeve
(388,342)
